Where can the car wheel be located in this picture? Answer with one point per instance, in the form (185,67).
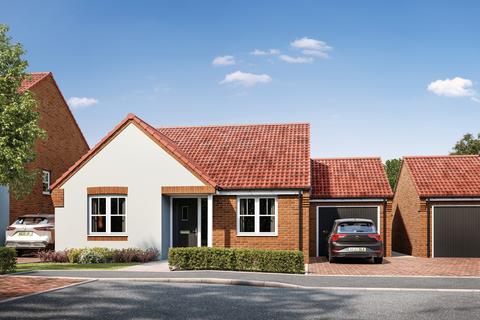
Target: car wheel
(331,259)
(378,260)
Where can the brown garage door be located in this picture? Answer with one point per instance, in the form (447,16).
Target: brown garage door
(327,215)
(456,231)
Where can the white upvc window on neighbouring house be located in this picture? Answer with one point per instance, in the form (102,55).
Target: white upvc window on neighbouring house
(107,214)
(46,182)
(257,216)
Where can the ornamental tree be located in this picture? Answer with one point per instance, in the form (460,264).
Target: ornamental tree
(19,129)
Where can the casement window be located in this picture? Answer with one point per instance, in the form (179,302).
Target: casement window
(45,182)
(108,214)
(257,216)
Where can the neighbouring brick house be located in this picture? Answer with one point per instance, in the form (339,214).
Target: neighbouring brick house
(221,186)
(348,188)
(437,207)
(64,145)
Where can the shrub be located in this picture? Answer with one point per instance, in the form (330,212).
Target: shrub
(91,256)
(8,260)
(135,255)
(99,255)
(105,255)
(53,256)
(284,261)
(73,255)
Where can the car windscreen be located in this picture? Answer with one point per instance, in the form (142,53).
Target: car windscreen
(31,220)
(356,227)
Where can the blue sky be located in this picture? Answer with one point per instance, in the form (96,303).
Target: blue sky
(362,84)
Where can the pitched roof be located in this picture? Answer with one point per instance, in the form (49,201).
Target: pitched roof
(35,77)
(249,156)
(161,139)
(349,178)
(445,176)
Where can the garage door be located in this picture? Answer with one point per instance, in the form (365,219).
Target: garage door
(456,231)
(327,215)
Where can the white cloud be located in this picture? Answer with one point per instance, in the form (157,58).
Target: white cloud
(475,99)
(312,47)
(290,59)
(270,52)
(316,53)
(456,87)
(223,61)
(245,79)
(76,102)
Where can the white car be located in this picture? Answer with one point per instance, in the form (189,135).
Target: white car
(31,231)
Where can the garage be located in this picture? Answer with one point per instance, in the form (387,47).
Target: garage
(348,188)
(326,215)
(456,231)
(437,207)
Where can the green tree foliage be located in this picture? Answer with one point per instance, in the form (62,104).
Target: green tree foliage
(392,167)
(467,145)
(18,120)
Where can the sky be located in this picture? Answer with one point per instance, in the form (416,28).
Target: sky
(373,78)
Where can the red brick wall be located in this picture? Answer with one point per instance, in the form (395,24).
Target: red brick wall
(225,226)
(410,218)
(63,147)
(384,208)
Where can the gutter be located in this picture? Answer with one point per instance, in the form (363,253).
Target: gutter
(451,199)
(258,192)
(349,200)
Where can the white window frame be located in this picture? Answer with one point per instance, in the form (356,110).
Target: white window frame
(48,182)
(108,214)
(256,216)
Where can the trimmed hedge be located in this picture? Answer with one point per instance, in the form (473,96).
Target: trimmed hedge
(8,260)
(195,258)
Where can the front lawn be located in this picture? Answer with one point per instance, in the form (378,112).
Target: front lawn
(22,267)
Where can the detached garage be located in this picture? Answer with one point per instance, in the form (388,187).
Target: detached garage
(348,188)
(437,207)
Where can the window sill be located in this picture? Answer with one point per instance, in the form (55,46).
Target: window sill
(107,238)
(252,234)
(46,193)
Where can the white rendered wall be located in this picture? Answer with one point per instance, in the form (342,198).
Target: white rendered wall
(132,159)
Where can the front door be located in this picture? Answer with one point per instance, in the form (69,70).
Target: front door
(185,224)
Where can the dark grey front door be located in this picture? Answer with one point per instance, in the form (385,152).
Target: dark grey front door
(328,215)
(456,231)
(185,224)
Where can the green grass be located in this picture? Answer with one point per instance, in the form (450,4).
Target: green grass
(22,267)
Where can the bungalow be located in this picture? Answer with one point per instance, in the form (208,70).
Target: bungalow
(221,186)
(437,207)
(63,146)
(217,186)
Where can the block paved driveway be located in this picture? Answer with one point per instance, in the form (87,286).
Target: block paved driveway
(15,286)
(400,266)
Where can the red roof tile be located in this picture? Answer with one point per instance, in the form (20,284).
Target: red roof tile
(35,77)
(349,178)
(249,156)
(445,176)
